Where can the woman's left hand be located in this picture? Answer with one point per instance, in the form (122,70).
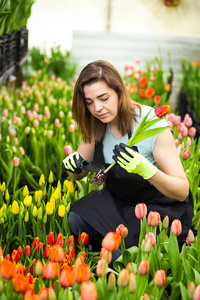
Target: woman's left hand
(133,162)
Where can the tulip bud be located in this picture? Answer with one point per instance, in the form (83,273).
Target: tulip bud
(39,214)
(34,211)
(143,267)
(7,196)
(111,281)
(192,131)
(83,238)
(51,177)
(15,161)
(145,296)
(49,208)
(51,294)
(28,201)
(186,154)
(152,237)
(61,210)
(38,268)
(122,230)
(148,246)
(129,267)
(153,218)
(188,242)
(176,227)
(191,236)
(26,219)
(3,187)
(196,295)
(21,151)
(42,180)
(140,210)
(165,222)
(191,289)
(111,241)
(102,267)
(123,278)
(159,278)
(1,253)
(25,191)
(15,208)
(88,288)
(45,218)
(132,283)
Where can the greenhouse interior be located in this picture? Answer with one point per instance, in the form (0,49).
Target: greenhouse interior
(99,150)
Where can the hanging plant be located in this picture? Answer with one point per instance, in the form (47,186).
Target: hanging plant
(171,2)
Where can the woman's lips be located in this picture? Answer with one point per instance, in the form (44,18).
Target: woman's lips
(102,116)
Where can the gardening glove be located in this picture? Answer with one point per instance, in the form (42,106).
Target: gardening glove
(133,162)
(72,163)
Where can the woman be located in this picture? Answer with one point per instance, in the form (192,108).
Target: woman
(150,172)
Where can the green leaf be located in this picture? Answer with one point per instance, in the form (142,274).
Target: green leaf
(188,270)
(146,134)
(183,292)
(174,257)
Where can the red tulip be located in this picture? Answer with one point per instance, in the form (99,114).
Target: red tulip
(161,111)
(57,253)
(83,238)
(27,249)
(71,252)
(60,240)
(46,251)
(19,250)
(159,278)
(122,230)
(140,210)
(176,227)
(50,238)
(143,267)
(153,218)
(88,291)
(50,270)
(188,242)
(67,261)
(32,265)
(15,256)
(111,241)
(36,242)
(71,241)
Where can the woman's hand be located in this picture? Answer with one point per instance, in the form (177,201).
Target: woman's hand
(133,162)
(72,163)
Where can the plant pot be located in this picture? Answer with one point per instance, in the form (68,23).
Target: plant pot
(22,43)
(171,2)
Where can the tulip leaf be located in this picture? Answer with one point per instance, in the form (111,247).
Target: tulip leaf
(197,277)
(174,257)
(146,134)
(183,291)
(188,270)
(175,291)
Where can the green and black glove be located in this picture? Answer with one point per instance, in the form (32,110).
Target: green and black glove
(133,162)
(72,163)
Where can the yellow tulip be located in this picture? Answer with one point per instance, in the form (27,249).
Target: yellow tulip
(49,208)
(51,177)
(59,184)
(26,219)
(1,212)
(61,210)
(4,206)
(57,193)
(68,207)
(15,208)
(7,196)
(1,220)
(25,191)
(45,218)
(69,185)
(34,211)
(27,201)
(3,187)
(38,195)
(40,213)
(42,180)
(53,202)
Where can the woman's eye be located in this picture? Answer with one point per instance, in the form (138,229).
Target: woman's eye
(104,99)
(88,102)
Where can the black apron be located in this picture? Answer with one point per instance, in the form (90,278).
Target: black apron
(115,204)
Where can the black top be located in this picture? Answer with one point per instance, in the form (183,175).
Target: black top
(115,204)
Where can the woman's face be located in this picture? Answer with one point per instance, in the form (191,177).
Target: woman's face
(102,102)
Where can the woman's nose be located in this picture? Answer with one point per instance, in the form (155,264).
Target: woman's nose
(98,106)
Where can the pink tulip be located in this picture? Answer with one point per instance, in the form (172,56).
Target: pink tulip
(179,148)
(21,151)
(192,131)
(176,227)
(186,155)
(188,142)
(190,236)
(47,114)
(143,267)
(123,278)
(196,295)
(52,77)
(170,117)
(153,218)
(5,112)
(27,129)
(68,150)
(187,120)
(140,210)
(184,131)
(151,236)
(102,267)
(72,128)
(191,289)
(12,132)
(176,141)
(188,242)
(177,120)
(49,133)
(170,124)
(57,123)
(35,123)
(159,278)
(15,161)
(36,106)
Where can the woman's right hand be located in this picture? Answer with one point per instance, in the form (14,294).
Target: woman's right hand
(72,163)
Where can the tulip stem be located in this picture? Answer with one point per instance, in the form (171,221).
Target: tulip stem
(106,170)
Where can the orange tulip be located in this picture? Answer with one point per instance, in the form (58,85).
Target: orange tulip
(111,281)
(27,249)
(83,238)
(71,241)
(28,293)
(143,82)
(82,272)
(67,261)
(34,297)
(46,251)
(161,111)
(123,278)
(157,99)
(82,256)
(15,256)
(36,242)
(20,283)
(7,269)
(153,218)
(159,278)
(140,210)
(43,293)
(88,291)
(151,236)
(111,241)
(1,252)
(149,93)
(67,277)
(105,253)
(143,267)
(71,252)
(57,253)
(50,270)
(122,230)
(60,240)
(176,227)
(141,93)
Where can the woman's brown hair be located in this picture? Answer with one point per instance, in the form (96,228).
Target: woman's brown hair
(89,126)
